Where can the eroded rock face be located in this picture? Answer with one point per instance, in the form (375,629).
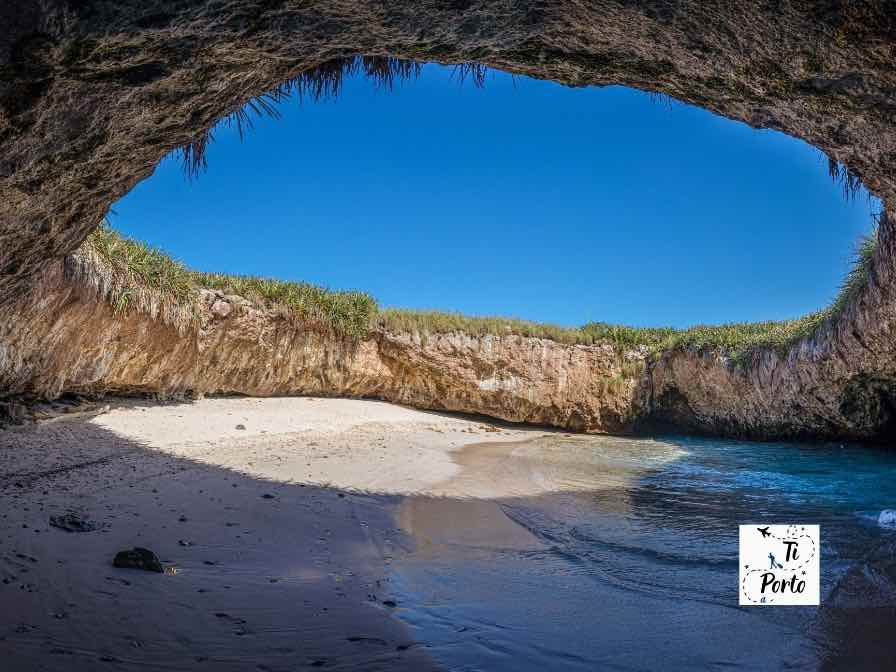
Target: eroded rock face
(94,93)
(838,384)
(67,339)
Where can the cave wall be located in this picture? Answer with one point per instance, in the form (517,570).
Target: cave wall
(65,337)
(93,93)
(836,384)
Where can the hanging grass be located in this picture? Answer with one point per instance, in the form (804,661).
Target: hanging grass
(320,82)
(849,181)
(133,276)
(347,313)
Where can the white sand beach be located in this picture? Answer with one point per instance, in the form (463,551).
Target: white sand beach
(276,518)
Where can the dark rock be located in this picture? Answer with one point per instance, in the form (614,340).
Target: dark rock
(268,496)
(371,640)
(138,558)
(72,523)
(390,603)
(868,584)
(241,426)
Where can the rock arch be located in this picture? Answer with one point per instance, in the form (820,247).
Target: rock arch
(94,93)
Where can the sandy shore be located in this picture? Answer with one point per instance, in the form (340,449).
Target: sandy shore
(278,515)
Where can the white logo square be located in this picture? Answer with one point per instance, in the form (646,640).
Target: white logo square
(779,565)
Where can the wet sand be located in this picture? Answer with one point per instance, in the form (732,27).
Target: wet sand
(278,516)
(583,553)
(489,585)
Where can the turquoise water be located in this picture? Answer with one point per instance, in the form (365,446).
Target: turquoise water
(643,575)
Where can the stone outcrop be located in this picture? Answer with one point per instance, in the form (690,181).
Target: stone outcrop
(838,384)
(94,93)
(67,338)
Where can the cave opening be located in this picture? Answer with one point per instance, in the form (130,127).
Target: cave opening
(437,173)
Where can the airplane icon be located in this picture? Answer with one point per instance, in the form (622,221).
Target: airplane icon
(764,531)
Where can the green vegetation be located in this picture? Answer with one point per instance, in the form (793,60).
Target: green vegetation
(740,341)
(348,313)
(134,276)
(436,322)
(139,264)
(857,278)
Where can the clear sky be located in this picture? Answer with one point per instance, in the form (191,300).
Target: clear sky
(523,198)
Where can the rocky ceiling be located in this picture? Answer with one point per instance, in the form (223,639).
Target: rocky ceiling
(93,93)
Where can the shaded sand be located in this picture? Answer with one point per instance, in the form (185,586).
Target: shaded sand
(280,532)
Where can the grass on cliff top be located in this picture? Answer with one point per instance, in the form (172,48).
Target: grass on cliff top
(739,340)
(437,322)
(133,275)
(349,313)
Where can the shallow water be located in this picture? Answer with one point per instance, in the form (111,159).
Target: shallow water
(622,554)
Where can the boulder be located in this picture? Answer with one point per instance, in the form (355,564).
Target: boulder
(221,308)
(138,558)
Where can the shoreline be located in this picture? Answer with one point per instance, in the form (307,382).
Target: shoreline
(278,515)
(359,535)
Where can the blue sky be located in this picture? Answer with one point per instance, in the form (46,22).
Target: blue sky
(523,198)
